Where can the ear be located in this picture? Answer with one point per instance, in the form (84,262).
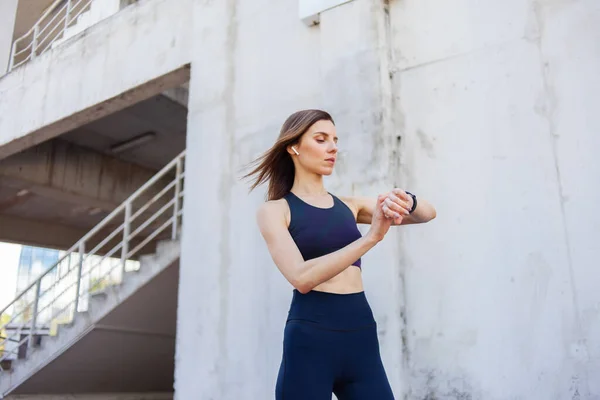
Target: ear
(292,150)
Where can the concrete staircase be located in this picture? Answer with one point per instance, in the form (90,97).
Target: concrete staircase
(85,326)
(102,306)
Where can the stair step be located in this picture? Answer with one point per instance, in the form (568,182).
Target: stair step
(147,258)
(164,245)
(99,293)
(67,325)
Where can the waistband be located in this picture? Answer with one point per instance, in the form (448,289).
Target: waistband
(331,310)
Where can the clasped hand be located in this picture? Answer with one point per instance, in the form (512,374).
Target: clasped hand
(391,209)
(396,205)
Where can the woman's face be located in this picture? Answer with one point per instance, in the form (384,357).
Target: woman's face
(317,148)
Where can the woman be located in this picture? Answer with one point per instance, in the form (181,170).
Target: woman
(330,339)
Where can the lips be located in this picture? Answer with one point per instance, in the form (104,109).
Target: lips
(331,160)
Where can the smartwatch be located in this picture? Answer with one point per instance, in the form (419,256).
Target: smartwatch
(414,206)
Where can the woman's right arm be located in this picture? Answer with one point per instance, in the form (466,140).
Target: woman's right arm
(305,275)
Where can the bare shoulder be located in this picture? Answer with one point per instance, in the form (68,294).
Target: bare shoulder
(273,212)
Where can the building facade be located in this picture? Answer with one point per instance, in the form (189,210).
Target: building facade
(485,108)
(32,262)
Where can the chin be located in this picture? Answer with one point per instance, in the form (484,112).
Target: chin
(323,171)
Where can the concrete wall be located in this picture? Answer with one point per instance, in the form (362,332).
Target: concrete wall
(265,65)
(491,112)
(486,108)
(86,78)
(499,104)
(8,15)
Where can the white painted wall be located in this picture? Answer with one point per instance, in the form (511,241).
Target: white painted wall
(8,15)
(500,101)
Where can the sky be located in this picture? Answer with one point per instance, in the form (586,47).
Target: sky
(9,261)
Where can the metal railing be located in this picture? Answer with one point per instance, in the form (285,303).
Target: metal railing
(48,28)
(129,231)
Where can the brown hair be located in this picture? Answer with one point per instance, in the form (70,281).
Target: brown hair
(276,165)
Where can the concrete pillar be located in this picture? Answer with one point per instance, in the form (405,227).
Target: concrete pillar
(245,81)
(8,15)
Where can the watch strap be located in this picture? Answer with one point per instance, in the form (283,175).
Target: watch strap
(414,206)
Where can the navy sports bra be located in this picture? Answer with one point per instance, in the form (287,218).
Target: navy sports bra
(319,231)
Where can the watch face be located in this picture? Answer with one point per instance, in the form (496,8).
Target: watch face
(414,206)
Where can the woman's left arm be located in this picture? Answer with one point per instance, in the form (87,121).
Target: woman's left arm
(399,202)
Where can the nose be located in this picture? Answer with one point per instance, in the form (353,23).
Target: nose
(333,148)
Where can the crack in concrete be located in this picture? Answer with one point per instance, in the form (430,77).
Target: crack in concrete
(392,111)
(548,112)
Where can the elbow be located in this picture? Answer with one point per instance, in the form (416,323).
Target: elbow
(433,214)
(428,214)
(302,285)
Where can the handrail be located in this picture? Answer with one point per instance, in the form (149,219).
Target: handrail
(44,33)
(48,11)
(84,269)
(102,224)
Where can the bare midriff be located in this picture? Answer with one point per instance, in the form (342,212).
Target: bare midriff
(347,281)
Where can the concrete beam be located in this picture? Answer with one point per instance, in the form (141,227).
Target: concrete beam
(65,172)
(71,175)
(51,235)
(38,233)
(97,111)
(179,95)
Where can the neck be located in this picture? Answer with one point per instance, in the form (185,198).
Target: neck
(308,184)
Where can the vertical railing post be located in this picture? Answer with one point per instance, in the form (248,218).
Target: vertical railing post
(13,53)
(36,30)
(34,315)
(126,231)
(68,14)
(81,251)
(176,204)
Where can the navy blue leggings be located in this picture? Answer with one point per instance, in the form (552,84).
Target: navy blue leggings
(330,346)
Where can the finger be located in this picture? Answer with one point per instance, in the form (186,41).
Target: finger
(385,210)
(398,208)
(389,212)
(393,206)
(400,202)
(402,194)
(398,221)
(404,205)
(390,206)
